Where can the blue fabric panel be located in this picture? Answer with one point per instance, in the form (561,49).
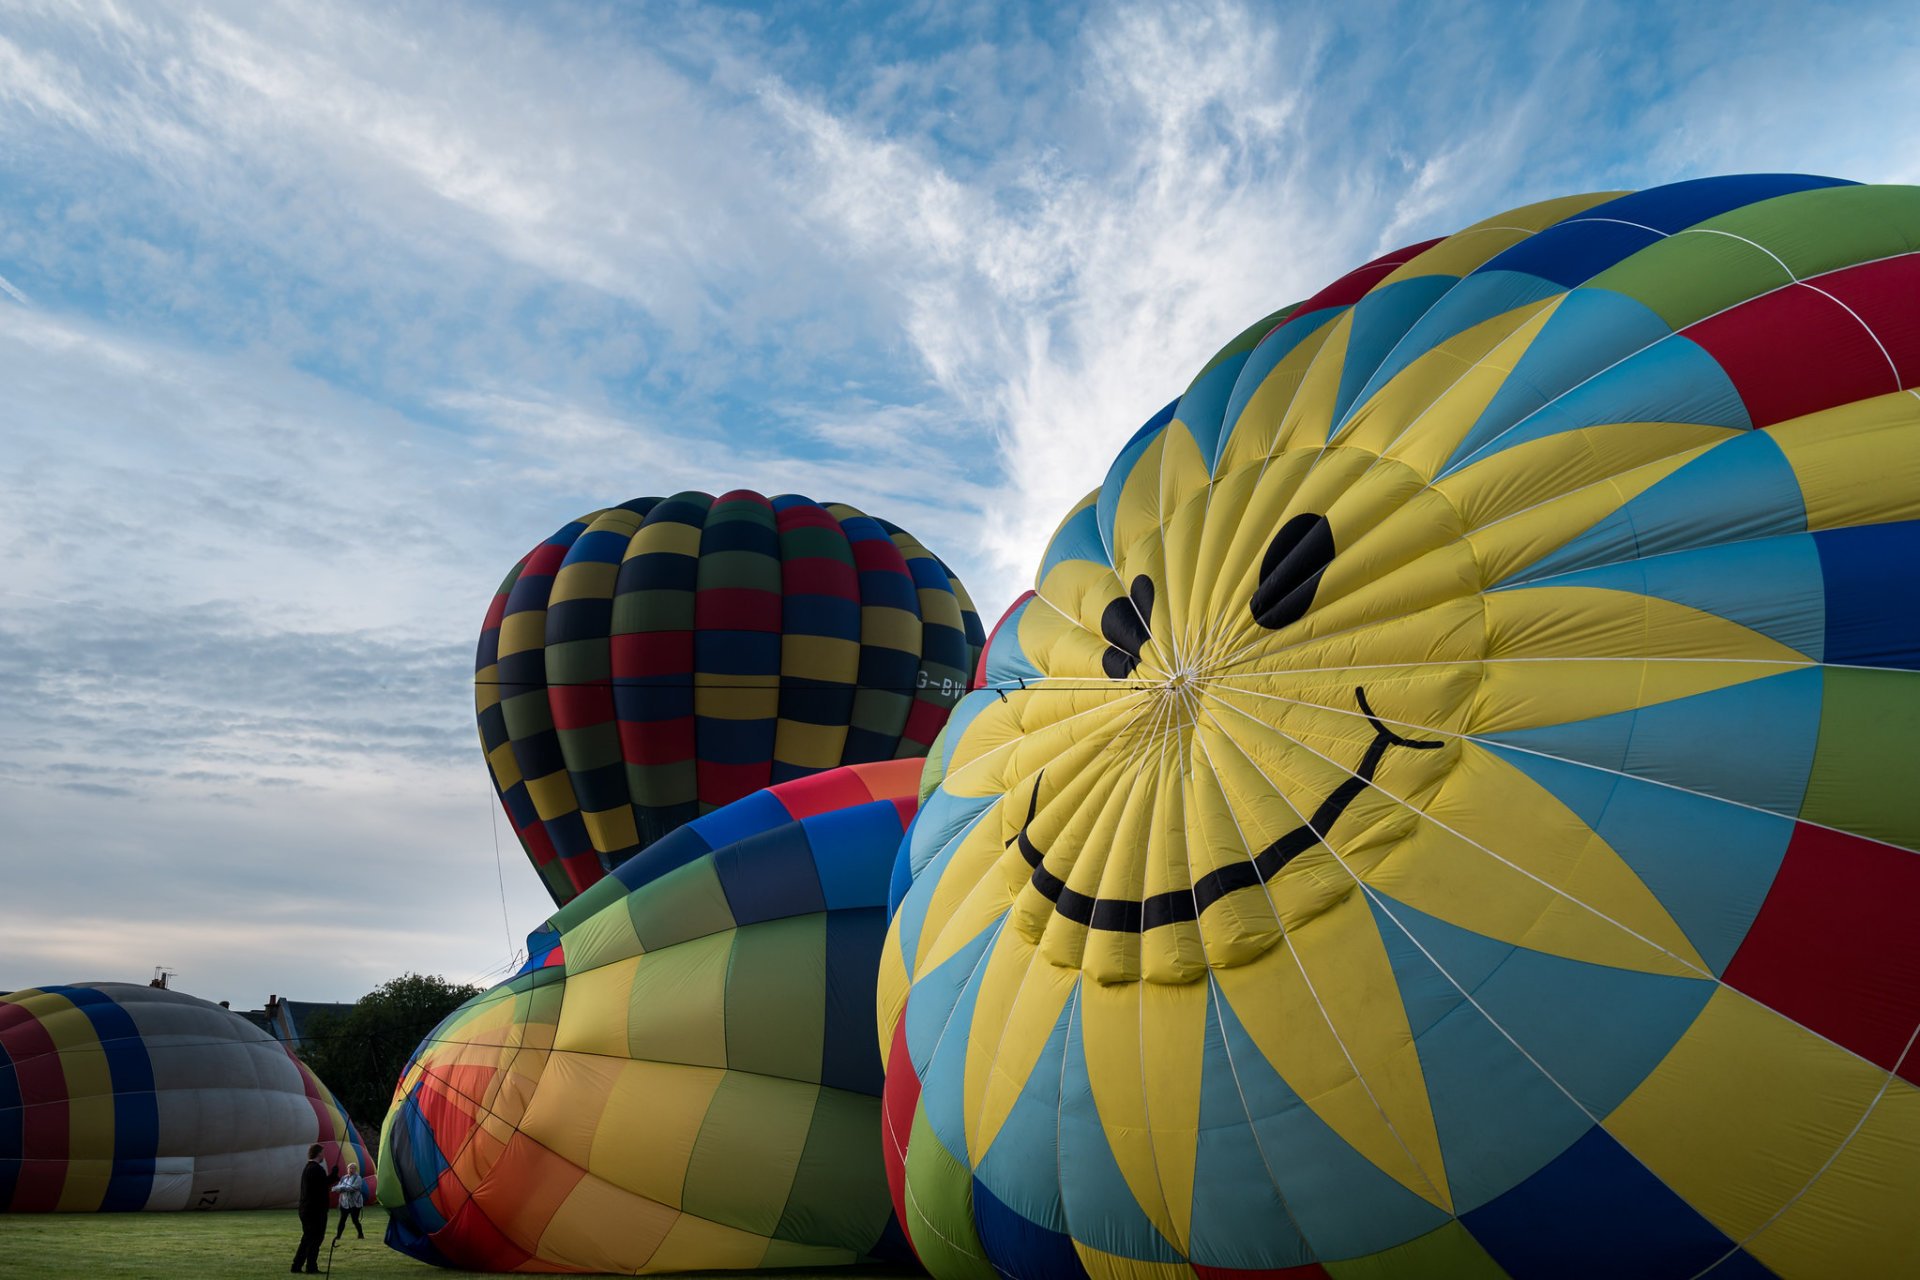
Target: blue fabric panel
(787,501)
(1708,862)
(1575,251)
(1203,408)
(1739,1265)
(925,850)
(1109,500)
(813,615)
(1239,1218)
(1380,321)
(1007,662)
(702,836)
(1025,1230)
(658,571)
(136,1112)
(1078,538)
(1673,380)
(1477,298)
(849,1054)
(1019,1248)
(901,878)
(1096,1201)
(568,835)
(652,699)
(754,533)
(939,1015)
(1342,1205)
(1498,1116)
(418,1160)
(519,805)
(12,1129)
(883,588)
(1739,489)
(1679,205)
(770,876)
(1751,743)
(737,653)
(733,741)
(1273,348)
(1873,594)
(1772,585)
(1596,1213)
(1590,330)
(601,546)
(853,851)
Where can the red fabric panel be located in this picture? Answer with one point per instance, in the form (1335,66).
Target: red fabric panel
(544,560)
(724,783)
(744,495)
(819,576)
(1353,286)
(736,609)
(471,1240)
(879,555)
(821,792)
(924,723)
(496,610)
(539,844)
(579,706)
(657,741)
(43,1117)
(1312,1271)
(1797,350)
(1835,946)
(583,869)
(652,653)
(898,1098)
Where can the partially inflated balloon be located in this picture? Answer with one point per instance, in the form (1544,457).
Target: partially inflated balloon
(125,1097)
(1448,808)
(653,661)
(685,1076)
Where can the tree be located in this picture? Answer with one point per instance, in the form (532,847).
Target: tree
(361,1053)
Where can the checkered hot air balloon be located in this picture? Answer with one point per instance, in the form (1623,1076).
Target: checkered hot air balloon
(1448,807)
(653,661)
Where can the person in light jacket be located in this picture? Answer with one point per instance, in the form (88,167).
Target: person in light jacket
(353,1194)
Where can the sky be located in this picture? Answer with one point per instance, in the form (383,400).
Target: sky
(314,318)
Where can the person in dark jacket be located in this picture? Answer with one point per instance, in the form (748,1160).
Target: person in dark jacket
(315,1182)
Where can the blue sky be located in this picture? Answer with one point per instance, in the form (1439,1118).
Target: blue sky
(314,318)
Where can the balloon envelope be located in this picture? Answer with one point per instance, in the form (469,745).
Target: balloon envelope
(114,1096)
(1448,807)
(685,1077)
(653,661)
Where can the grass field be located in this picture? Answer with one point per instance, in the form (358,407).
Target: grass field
(222,1246)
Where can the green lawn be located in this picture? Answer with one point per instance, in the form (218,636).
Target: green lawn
(221,1246)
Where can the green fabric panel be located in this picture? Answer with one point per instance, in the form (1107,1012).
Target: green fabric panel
(579,661)
(601,938)
(593,747)
(743,1163)
(526,714)
(674,1010)
(1863,770)
(777,998)
(656,610)
(881,711)
(685,903)
(940,1209)
(1451,1251)
(556,880)
(785,1253)
(655,786)
(739,569)
(840,1194)
(808,542)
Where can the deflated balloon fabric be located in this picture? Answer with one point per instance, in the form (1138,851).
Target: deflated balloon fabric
(116,1097)
(1447,807)
(685,1074)
(653,661)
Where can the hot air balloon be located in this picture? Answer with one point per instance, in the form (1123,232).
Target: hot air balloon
(684,1076)
(1448,807)
(114,1096)
(653,661)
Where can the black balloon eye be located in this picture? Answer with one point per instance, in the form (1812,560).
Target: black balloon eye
(1291,569)
(1124,623)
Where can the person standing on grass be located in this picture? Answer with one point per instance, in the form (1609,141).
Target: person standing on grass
(314,1182)
(353,1194)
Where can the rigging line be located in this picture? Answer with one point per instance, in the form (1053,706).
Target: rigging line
(1465,839)
(499,872)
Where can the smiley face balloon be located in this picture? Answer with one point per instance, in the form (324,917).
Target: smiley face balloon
(1448,806)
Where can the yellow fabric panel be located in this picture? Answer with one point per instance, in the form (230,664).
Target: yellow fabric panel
(1014,1015)
(695,1243)
(890,992)
(736,697)
(594,1017)
(821,657)
(1174,952)
(599,1227)
(890,628)
(566,1114)
(551,795)
(653,1116)
(664,537)
(1743,1112)
(486,690)
(1241,925)
(1501,856)
(522,631)
(1309,413)
(812,746)
(611,828)
(1504,547)
(506,769)
(1858,1218)
(1857,464)
(605,936)
(1463,373)
(583,580)
(1108,1266)
(1325,1010)
(1255,434)
(1078,591)
(1504,482)
(1167,471)
(1150,1115)
(1464,250)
